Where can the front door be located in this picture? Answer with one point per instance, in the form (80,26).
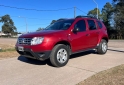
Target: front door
(79,40)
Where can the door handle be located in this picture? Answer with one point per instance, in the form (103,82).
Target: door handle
(87,34)
(97,32)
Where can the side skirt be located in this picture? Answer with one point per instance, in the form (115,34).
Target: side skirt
(84,50)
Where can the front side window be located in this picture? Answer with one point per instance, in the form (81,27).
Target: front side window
(92,25)
(81,25)
(60,25)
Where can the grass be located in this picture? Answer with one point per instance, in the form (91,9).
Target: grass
(5,50)
(8,51)
(113,76)
(7,47)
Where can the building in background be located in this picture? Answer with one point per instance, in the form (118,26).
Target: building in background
(1,33)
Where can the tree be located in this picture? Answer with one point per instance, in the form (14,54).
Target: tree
(39,29)
(8,25)
(94,13)
(119,17)
(53,21)
(107,14)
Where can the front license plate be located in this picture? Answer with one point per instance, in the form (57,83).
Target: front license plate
(20,48)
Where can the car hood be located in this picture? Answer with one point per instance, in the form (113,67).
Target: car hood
(41,33)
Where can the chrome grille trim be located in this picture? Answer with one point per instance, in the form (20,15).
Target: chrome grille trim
(24,41)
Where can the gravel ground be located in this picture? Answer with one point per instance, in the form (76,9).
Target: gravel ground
(116,43)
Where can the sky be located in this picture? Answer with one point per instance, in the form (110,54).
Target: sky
(44,11)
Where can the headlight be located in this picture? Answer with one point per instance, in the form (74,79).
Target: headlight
(37,40)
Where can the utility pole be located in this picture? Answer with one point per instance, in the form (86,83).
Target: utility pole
(74,12)
(97,8)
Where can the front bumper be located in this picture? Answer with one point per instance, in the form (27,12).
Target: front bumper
(34,55)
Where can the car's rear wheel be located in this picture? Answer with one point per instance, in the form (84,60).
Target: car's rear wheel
(103,46)
(59,55)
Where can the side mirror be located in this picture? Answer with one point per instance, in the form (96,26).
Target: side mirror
(75,29)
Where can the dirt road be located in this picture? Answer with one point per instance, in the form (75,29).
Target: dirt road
(8,40)
(20,71)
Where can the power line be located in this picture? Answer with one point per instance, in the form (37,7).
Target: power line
(27,17)
(81,11)
(39,24)
(31,18)
(34,25)
(33,9)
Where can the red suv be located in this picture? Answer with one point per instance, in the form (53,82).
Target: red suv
(63,38)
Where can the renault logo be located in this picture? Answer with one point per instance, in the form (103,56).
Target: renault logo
(23,40)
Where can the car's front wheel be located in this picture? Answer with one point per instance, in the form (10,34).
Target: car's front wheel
(59,55)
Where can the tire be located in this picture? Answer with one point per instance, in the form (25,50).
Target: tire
(103,46)
(59,56)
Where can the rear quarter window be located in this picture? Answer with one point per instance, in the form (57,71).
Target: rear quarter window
(99,24)
(92,25)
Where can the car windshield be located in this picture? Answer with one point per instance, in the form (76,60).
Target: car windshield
(60,25)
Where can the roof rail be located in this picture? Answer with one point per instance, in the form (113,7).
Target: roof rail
(61,19)
(86,17)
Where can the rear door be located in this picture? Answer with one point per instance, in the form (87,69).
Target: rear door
(93,33)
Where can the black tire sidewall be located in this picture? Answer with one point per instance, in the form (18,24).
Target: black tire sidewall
(60,46)
(100,51)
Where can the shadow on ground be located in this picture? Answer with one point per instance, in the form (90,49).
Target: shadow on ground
(82,54)
(33,61)
(47,62)
(116,50)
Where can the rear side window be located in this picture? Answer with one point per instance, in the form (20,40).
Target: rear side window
(81,25)
(99,24)
(92,25)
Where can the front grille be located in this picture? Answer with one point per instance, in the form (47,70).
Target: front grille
(24,41)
